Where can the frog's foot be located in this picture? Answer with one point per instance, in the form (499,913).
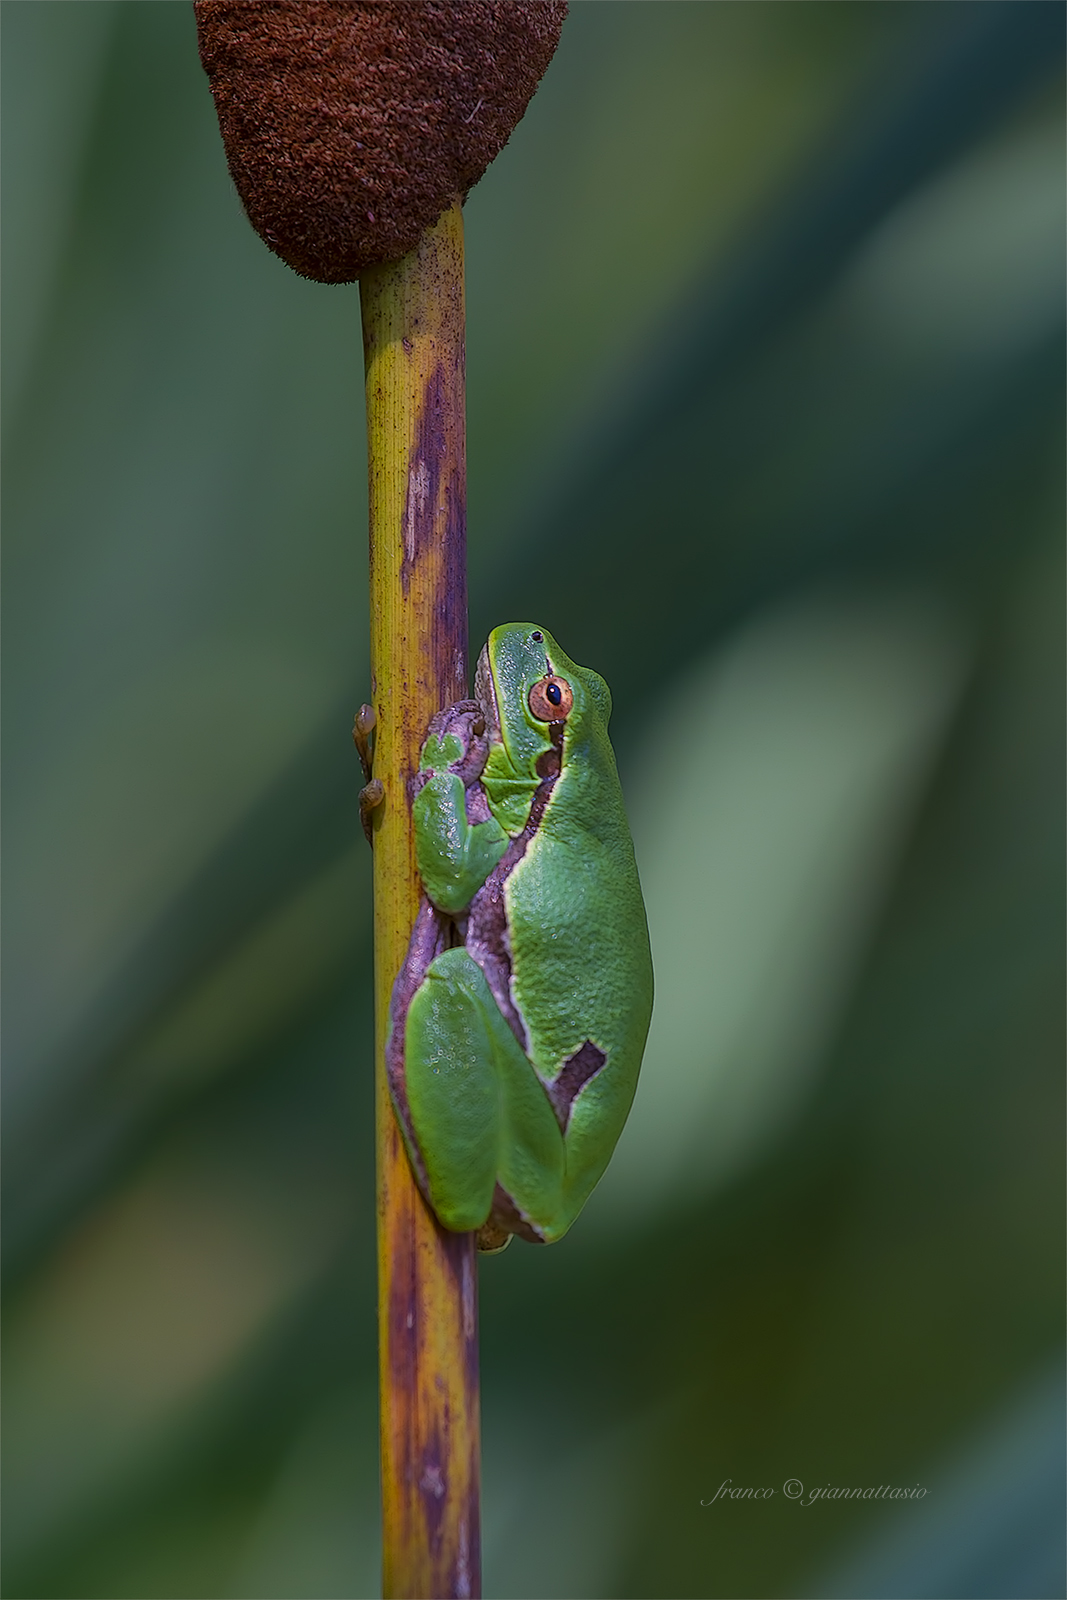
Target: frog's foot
(373,792)
(370,798)
(362,733)
(465,723)
(506,1217)
(492,1240)
(572,1078)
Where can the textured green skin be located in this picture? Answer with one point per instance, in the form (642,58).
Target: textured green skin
(580,958)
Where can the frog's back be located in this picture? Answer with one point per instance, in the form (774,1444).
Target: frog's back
(581,963)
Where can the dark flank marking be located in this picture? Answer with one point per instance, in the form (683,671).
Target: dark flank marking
(548,763)
(487,941)
(506,1215)
(487,918)
(573,1077)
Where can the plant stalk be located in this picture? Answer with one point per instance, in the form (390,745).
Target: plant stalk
(413,335)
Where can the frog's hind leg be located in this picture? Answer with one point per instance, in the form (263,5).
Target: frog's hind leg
(477,1107)
(452,1091)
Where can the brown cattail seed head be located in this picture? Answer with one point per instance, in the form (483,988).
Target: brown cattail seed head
(350,127)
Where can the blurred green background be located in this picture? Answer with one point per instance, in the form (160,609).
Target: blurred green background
(765,384)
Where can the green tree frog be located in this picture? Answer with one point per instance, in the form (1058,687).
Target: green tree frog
(519,1017)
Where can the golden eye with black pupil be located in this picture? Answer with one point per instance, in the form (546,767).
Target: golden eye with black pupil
(551,699)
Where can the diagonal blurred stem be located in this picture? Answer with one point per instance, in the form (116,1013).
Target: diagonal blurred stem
(413,331)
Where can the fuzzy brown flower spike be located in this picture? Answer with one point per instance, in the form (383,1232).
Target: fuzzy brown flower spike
(350,127)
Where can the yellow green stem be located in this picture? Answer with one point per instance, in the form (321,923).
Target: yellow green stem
(413,335)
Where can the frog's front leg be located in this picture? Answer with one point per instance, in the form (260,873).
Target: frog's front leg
(373,791)
(458,841)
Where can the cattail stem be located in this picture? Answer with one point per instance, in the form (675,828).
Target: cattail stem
(413,335)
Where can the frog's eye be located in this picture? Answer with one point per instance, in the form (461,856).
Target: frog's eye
(551,699)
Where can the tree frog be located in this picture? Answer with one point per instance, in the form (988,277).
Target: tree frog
(519,1017)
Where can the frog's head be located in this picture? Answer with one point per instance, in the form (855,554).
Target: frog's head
(535,698)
